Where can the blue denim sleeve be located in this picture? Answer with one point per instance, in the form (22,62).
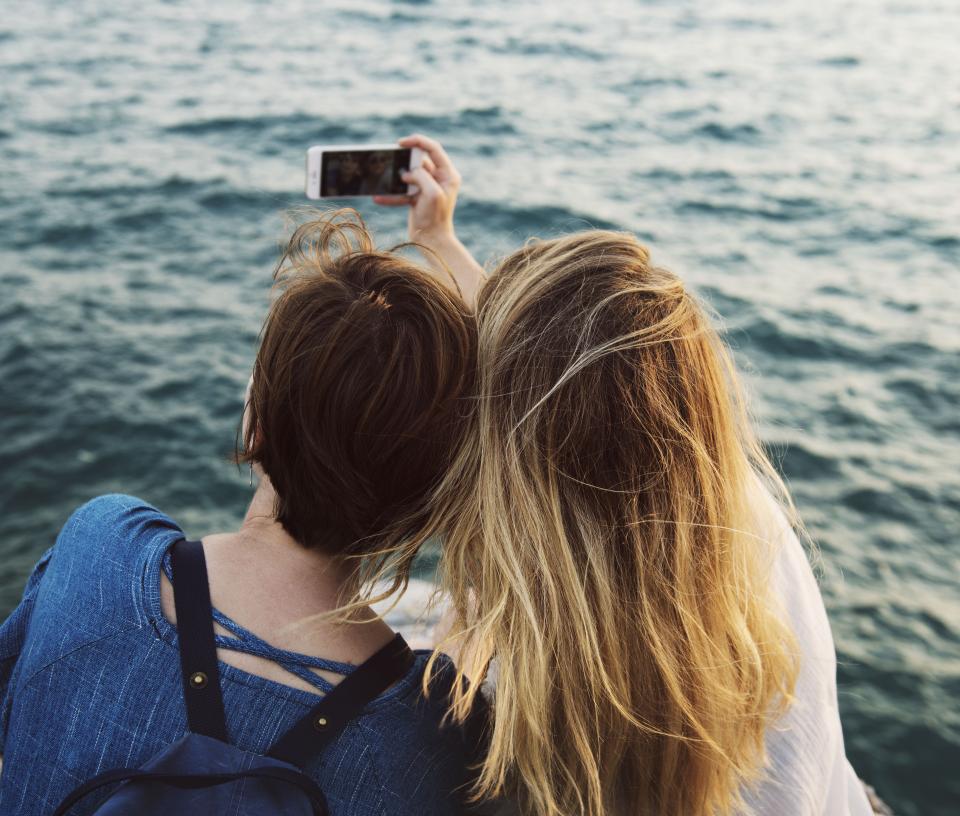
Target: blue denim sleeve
(13,632)
(85,577)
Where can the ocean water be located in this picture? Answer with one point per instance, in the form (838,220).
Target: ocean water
(798,163)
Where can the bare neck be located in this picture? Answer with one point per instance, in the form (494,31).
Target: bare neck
(267,582)
(272,585)
(262,539)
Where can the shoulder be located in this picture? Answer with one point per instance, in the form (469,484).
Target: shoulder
(797,594)
(414,709)
(102,551)
(805,746)
(109,530)
(90,585)
(421,756)
(795,588)
(112,516)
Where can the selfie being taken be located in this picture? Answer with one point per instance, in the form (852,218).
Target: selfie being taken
(424,409)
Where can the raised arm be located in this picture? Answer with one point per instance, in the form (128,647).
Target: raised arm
(431,216)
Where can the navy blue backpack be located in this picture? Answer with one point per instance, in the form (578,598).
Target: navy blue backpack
(202,772)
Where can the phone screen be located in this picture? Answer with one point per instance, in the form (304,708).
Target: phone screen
(363,172)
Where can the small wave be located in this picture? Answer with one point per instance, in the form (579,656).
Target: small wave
(749,24)
(910,307)
(844,61)
(801,461)
(488,121)
(907,352)
(300,130)
(942,241)
(170,185)
(875,504)
(914,390)
(642,83)
(777,339)
(406,17)
(294,127)
(526,48)
(145,218)
(230,199)
(692,113)
(65,127)
(173,194)
(226,124)
(727,210)
(834,290)
(545,220)
(728,133)
(66,235)
(672,174)
(934,398)
(724,302)
(938,626)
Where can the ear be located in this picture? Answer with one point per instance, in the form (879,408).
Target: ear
(246,407)
(244,424)
(245,421)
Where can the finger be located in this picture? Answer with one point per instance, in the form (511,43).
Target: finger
(429,188)
(391,201)
(428,165)
(432,148)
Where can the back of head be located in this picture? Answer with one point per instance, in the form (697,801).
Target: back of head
(357,391)
(600,515)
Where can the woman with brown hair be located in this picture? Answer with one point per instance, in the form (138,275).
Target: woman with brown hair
(616,546)
(355,408)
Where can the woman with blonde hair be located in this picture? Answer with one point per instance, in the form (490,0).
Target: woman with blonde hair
(616,545)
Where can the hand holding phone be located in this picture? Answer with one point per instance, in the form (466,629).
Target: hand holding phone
(431,209)
(348,171)
(430,220)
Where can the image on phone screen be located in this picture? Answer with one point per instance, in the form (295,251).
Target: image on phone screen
(363,172)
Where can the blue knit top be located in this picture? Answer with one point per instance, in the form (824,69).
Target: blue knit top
(90,680)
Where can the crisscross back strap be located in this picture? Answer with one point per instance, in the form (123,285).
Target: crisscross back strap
(343,703)
(198,651)
(201,677)
(243,640)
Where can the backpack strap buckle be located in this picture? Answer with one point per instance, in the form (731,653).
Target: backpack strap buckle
(198,649)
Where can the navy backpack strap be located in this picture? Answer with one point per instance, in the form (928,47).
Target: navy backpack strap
(198,650)
(344,702)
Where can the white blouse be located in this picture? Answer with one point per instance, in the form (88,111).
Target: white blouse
(808,773)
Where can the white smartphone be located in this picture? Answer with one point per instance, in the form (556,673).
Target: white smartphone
(348,171)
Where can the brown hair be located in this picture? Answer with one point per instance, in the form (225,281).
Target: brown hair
(605,526)
(355,405)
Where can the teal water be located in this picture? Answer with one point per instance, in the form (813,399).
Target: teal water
(798,163)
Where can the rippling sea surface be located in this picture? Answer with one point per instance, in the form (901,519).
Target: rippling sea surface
(798,163)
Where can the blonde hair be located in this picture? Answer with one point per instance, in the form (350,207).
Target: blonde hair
(601,541)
